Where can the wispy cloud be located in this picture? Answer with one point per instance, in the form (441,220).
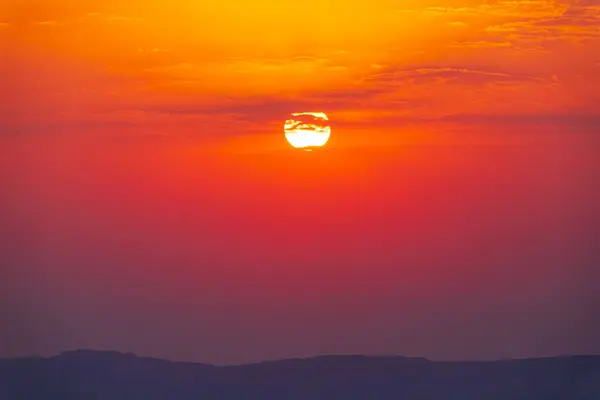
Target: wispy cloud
(46,23)
(88,18)
(99,16)
(248,75)
(572,120)
(398,65)
(479,44)
(522,9)
(579,23)
(448,74)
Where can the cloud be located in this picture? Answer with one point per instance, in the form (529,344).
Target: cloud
(480,44)
(522,9)
(245,65)
(521,24)
(97,16)
(585,122)
(253,108)
(589,121)
(461,75)
(578,23)
(46,23)
(351,105)
(508,27)
(152,50)
(87,18)
(259,113)
(386,92)
(244,76)
(568,22)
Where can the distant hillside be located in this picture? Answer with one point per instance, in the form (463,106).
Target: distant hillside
(96,375)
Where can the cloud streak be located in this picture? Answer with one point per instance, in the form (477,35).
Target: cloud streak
(179,65)
(448,75)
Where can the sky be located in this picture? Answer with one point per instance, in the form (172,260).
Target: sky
(151,204)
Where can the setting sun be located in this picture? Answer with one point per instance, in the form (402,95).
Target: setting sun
(306,130)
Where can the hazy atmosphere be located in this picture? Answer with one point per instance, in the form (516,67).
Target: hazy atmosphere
(149,201)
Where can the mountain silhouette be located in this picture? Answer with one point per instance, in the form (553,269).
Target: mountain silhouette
(100,375)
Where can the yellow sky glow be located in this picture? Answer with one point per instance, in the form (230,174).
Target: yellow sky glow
(379,63)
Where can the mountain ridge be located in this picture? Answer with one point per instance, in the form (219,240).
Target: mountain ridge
(92,374)
(325,356)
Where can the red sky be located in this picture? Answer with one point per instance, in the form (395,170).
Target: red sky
(151,204)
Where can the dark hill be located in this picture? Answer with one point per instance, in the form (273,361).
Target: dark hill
(86,374)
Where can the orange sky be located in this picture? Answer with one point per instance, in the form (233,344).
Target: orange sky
(216,68)
(109,114)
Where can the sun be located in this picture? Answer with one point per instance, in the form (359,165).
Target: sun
(307,130)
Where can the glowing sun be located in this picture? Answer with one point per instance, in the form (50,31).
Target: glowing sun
(307,130)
